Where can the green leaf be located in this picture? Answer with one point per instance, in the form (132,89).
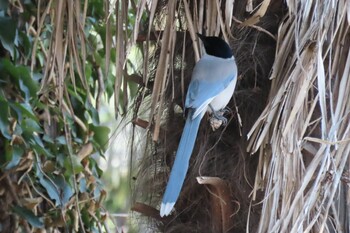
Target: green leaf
(98,58)
(23,109)
(3,5)
(60,158)
(96,170)
(61,140)
(25,89)
(30,126)
(38,141)
(48,139)
(110,85)
(77,167)
(73,93)
(25,43)
(37,145)
(96,9)
(4,122)
(92,113)
(82,185)
(65,189)
(8,33)
(88,71)
(134,87)
(29,216)
(85,216)
(16,155)
(101,135)
(51,190)
(27,84)
(41,58)
(18,130)
(31,85)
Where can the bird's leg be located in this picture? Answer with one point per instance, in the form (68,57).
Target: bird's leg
(218,116)
(226,110)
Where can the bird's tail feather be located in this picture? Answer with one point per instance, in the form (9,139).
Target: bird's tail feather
(180,167)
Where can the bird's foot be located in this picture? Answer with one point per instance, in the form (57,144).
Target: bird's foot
(217,119)
(226,110)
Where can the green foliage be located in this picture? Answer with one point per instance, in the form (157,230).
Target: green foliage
(29,216)
(8,33)
(21,77)
(49,178)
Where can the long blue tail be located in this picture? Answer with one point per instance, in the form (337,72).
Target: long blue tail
(180,167)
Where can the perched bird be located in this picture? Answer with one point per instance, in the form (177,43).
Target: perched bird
(213,82)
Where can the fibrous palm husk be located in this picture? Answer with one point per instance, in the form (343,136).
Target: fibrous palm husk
(302,136)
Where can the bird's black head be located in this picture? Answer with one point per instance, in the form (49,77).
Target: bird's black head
(216,46)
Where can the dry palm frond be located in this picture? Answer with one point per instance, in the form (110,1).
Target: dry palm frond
(302,135)
(121,14)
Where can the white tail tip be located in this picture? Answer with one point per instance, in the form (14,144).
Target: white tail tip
(166,208)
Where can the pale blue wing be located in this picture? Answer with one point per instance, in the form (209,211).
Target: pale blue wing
(210,77)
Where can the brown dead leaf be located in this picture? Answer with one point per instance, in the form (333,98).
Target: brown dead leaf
(222,209)
(254,19)
(85,151)
(31,203)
